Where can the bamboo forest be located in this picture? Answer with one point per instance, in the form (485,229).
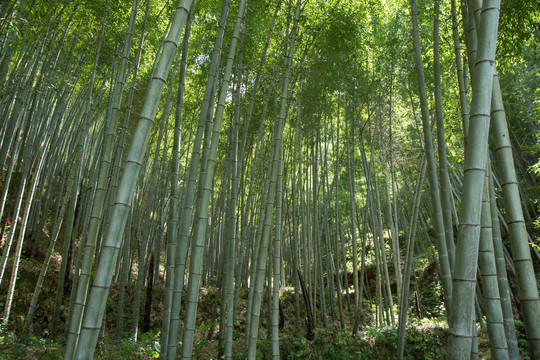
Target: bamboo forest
(269,179)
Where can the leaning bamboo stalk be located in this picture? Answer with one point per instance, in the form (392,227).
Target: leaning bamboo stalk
(172,225)
(506,304)
(409,261)
(488,275)
(113,237)
(189,191)
(24,222)
(438,222)
(98,206)
(527,285)
(441,146)
(460,317)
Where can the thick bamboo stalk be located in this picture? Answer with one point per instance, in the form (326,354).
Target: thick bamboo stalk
(460,318)
(488,274)
(113,238)
(527,285)
(99,199)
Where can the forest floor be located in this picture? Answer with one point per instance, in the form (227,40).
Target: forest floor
(426,334)
(426,338)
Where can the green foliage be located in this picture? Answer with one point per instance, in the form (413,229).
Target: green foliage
(522,339)
(430,292)
(425,339)
(519,23)
(294,348)
(207,325)
(31,348)
(147,346)
(199,347)
(264,346)
(153,339)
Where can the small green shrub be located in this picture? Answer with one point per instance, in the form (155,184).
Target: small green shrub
(294,348)
(521,339)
